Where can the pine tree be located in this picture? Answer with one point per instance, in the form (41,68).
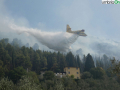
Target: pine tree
(89,63)
(70,60)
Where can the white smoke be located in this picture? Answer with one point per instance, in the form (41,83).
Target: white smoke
(59,41)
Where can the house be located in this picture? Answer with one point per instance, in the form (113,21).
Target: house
(73,71)
(67,71)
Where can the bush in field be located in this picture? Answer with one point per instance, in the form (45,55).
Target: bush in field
(49,75)
(17,73)
(27,83)
(6,84)
(58,86)
(86,75)
(97,73)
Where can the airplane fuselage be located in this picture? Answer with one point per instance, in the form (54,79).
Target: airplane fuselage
(78,32)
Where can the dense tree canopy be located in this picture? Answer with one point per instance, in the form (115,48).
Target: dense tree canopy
(23,65)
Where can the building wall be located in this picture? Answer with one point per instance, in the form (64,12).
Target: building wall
(60,75)
(72,71)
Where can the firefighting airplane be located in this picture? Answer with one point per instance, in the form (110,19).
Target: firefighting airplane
(78,32)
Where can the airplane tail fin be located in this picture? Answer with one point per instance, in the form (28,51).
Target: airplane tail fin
(68,29)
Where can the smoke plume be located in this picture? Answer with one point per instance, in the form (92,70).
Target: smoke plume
(59,41)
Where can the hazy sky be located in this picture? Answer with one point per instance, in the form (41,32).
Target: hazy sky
(101,20)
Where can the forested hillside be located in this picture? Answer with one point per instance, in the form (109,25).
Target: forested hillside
(20,69)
